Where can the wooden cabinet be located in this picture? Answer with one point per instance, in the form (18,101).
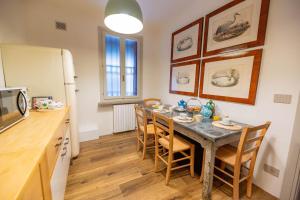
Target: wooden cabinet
(30,151)
(56,144)
(33,190)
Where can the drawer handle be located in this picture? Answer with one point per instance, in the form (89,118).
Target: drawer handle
(67,121)
(65,152)
(67,141)
(60,138)
(58,144)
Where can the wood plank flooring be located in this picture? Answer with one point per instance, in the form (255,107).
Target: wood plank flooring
(110,168)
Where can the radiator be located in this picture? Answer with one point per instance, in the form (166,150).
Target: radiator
(124,118)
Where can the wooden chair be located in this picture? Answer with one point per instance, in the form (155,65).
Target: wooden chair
(246,151)
(151,101)
(168,144)
(144,130)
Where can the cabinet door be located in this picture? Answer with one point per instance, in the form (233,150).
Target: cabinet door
(33,189)
(60,173)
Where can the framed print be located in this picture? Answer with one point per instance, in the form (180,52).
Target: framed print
(239,24)
(184,78)
(35,100)
(231,78)
(186,42)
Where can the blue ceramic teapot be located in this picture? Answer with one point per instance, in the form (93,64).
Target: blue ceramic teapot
(182,104)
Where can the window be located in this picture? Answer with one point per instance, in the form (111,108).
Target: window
(121,67)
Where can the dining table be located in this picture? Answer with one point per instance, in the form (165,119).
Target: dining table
(207,135)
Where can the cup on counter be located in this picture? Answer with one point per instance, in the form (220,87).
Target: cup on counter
(198,118)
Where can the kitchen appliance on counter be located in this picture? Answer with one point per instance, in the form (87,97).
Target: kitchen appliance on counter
(13,106)
(44,72)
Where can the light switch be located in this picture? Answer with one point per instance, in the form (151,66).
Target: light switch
(283,98)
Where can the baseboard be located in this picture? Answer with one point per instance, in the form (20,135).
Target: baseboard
(89,135)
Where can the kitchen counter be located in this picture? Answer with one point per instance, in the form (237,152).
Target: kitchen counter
(22,147)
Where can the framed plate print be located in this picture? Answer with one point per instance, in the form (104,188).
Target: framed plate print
(184,78)
(187,41)
(231,78)
(239,24)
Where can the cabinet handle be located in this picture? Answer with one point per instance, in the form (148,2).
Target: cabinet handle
(58,144)
(67,121)
(67,141)
(60,138)
(65,152)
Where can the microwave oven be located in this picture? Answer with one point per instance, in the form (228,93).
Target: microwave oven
(13,106)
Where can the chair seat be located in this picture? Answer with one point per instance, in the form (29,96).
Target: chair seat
(179,144)
(150,129)
(228,155)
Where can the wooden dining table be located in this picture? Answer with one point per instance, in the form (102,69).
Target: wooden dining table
(209,137)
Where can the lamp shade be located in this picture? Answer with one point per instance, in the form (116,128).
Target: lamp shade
(123,16)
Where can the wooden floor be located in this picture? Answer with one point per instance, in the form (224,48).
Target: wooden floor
(110,168)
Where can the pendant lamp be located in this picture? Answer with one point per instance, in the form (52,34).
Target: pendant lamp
(123,16)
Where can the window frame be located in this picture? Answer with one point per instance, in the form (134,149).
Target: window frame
(104,99)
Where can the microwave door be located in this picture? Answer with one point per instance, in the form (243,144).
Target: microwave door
(21,103)
(11,107)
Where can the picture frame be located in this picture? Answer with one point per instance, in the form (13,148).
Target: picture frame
(187,42)
(240,24)
(232,78)
(39,98)
(184,78)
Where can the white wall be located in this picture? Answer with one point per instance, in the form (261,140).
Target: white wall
(280,72)
(33,22)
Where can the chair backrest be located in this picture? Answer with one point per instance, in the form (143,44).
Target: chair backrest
(151,101)
(250,142)
(141,118)
(167,125)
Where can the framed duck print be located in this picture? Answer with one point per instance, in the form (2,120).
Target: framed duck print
(184,78)
(187,41)
(239,24)
(231,78)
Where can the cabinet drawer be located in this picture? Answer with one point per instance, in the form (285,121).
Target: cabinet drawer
(55,145)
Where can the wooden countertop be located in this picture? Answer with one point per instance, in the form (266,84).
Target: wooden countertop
(21,148)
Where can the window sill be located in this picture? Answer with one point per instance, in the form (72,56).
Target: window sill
(119,102)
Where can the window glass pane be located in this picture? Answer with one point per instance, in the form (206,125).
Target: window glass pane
(131,67)
(113,69)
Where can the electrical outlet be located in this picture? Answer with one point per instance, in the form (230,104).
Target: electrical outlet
(283,98)
(271,170)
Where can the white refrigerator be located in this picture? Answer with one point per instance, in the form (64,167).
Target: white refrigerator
(45,72)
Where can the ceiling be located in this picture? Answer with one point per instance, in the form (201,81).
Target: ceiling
(154,11)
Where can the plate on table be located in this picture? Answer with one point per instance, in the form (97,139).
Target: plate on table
(234,127)
(226,124)
(160,110)
(183,119)
(179,109)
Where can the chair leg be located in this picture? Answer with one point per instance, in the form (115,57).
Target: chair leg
(170,159)
(202,170)
(192,160)
(138,141)
(249,187)
(144,146)
(250,179)
(156,154)
(236,184)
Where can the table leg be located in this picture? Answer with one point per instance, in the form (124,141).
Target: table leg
(210,152)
